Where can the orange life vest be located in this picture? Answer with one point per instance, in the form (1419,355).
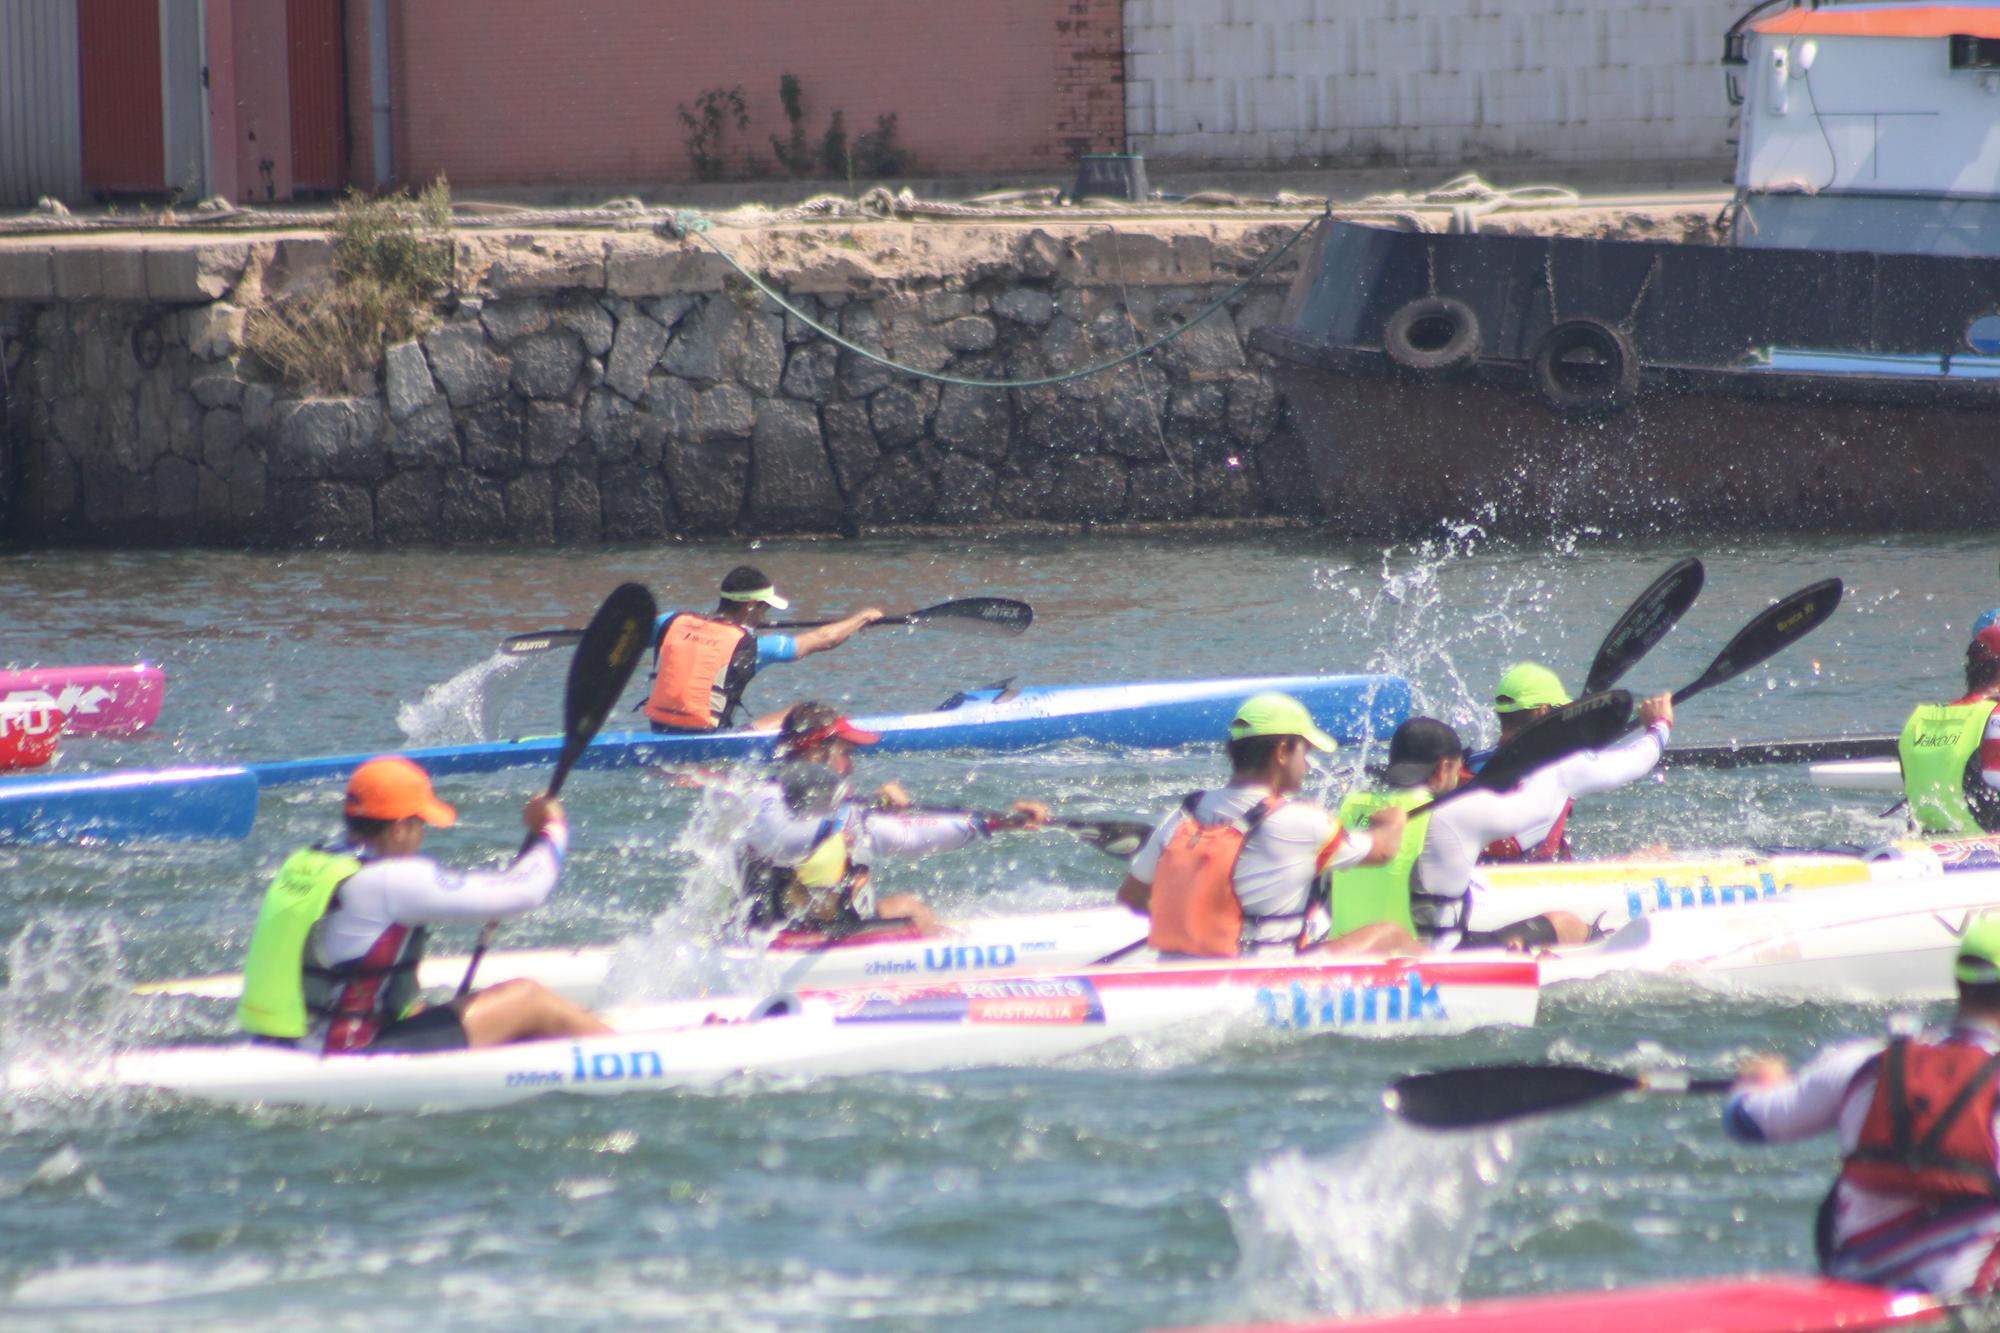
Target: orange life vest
(1929,1128)
(1194,908)
(1554,847)
(704,667)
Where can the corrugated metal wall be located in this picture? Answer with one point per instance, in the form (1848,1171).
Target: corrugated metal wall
(41,134)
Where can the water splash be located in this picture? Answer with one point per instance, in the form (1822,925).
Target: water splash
(455,712)
(63,1009)
(1384,1225)
(678,956)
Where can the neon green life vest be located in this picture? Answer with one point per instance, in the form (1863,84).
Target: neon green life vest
(274,995)
(1935,748)
(1369,895)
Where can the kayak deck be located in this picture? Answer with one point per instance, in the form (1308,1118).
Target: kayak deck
(1738,1305)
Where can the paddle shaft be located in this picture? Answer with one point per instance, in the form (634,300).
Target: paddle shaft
(607,652)
(995,615)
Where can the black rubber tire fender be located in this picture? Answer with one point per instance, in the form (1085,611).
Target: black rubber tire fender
(1586,366)
(1432,336)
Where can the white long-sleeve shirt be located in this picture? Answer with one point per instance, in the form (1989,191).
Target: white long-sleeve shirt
(1276,866)
(1886,1239)
(784,836)
(417,891)
(1588,772)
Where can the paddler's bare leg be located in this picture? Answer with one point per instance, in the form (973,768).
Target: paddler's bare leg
(909,908)
(523,1010)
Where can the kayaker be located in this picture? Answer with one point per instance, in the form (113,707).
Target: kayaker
(1427,889)
(1527,692)
(333,959)
(705,662)
(1235,865)
(1917,1200)
(1950,753)
(809,847)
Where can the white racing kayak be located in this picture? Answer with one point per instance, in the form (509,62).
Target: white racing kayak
(1876,775)
(794,960)
(1707,887)
(906,1028)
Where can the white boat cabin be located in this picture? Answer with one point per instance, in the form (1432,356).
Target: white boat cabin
(1868,127)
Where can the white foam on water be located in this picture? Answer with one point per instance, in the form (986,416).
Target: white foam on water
(454,713)
(1386,1224)
(64,1008)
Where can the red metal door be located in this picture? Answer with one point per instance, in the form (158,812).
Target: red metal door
(118,67)
(316,62)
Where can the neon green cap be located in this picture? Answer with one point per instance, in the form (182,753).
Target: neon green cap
(1979,951)
(1274,714)
(1527,685)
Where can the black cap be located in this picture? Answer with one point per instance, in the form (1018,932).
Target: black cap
(745,578)
(1417,747)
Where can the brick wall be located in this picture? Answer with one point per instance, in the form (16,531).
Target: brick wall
(503,92)
(1428,82)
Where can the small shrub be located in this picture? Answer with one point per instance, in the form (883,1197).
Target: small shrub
(792,153)
(704,123)
(833,153)
(876,153)
(391,256)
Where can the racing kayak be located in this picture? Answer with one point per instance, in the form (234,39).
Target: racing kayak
(1775,1304)
(1184,712)
(96,700)
(898,1028)
(1878,775)
(1612,893)
(152,805)
(976,946)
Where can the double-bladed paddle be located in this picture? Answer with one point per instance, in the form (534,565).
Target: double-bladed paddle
(1482,1095)
(1121,838)
(1591,722)
(1645,623)
(606,652)
(967,615)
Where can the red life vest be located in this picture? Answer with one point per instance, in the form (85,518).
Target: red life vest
(705,665)
(1555,847)
(1194,908)
(362,997)
(1929,1128)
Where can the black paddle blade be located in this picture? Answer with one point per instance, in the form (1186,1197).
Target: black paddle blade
(611,645)
(1645,623)
(1114,837)
(1494,1094)
(1591,722)
(974,615)
(541,641)
(1775,629)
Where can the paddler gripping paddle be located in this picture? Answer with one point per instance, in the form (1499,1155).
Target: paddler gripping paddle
(1481,1095)
(967,615)
(606,653)
(1590,723)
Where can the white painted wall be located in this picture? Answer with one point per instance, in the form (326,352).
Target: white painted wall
(1427,82)
(1885,115)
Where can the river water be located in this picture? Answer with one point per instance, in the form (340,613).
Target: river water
(1167,1185)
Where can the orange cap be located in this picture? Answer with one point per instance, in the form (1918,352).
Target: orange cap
(392,787)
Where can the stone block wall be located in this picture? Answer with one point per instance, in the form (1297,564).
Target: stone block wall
(582,387)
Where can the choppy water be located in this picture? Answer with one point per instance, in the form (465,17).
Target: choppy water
(1132,1189)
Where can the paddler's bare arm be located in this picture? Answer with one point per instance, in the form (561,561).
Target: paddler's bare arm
(1385,835)
(832,636)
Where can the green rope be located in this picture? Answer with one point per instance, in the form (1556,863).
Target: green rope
(694,223)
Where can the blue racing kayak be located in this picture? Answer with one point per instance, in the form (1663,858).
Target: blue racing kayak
(1181,712)
(148,805)
(177,804)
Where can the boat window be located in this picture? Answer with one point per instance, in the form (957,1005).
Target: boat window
(1975,52)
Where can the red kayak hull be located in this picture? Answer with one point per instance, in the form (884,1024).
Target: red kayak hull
(94,700)
(1734,1305)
